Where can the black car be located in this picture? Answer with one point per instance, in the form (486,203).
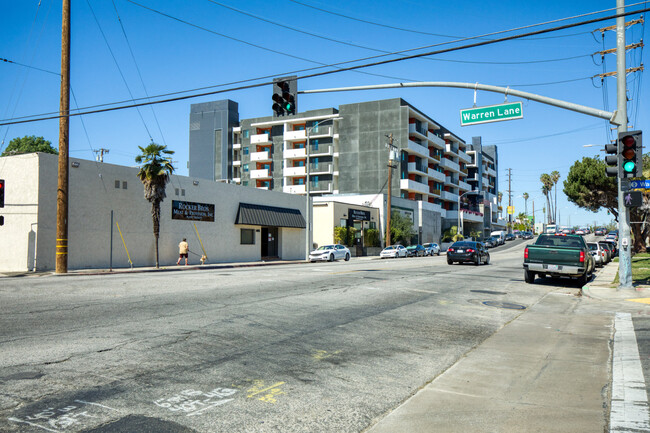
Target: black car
(491,242)
(527,235)
(468,251)
(612,247)
(510,237)
(415,251)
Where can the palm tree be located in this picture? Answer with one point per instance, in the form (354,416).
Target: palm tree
(555,176)
(154,175)
(526,196)
(547,186)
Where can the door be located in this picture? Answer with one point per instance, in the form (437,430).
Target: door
(269,242)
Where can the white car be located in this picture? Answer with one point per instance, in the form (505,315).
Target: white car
(393,251)
(431,249)
(330,253)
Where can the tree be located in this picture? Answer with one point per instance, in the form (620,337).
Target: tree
(526,196)
(555,177)
(401,228)
(29,144)
(588,187)
(547,187)
(154,175)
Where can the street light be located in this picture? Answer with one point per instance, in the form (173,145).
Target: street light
(308,242)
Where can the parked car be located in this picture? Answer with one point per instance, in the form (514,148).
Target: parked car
(558,256)
(432,248)
(500,235)
(394,251)
(416,250)
(526,235)
(330,253)
(599,232)
(612,246)
(510,237)
(598,253)
(491,242)
(468,251)
(607,249)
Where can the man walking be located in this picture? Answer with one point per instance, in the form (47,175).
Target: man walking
(183,248)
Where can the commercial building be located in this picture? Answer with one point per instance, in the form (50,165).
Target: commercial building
(348,155)
(110,220)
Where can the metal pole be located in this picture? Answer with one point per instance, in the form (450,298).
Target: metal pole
(64,128)
(390,182)
(625,255)
(110,260)
(308,244)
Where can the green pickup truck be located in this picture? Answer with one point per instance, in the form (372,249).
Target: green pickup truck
(558,256)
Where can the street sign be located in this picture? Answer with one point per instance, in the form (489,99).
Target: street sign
(511,210)
(491,113)
(640,184)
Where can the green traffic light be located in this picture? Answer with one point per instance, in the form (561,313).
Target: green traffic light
(628,167)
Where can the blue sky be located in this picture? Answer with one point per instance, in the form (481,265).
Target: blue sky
(216,45)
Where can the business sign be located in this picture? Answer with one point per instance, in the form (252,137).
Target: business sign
(491,113)
(188,211)
(511,210)
(358,215)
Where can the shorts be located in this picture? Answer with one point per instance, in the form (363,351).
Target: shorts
(183,255)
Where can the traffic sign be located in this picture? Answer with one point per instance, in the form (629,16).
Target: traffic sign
(633,199)
(640,184)
(511,210)
(491,113)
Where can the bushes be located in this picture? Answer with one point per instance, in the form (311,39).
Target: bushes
(344,235)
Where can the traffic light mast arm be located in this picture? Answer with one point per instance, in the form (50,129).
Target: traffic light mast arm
(612,117)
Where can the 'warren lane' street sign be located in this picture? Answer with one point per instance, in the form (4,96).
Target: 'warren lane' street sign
(491,113)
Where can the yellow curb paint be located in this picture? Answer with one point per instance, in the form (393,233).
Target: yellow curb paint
(640,300)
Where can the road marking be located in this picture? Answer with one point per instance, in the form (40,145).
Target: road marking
(323,354)
(640,300)
(629,409)
(96,404)
(423,291)
(31,423)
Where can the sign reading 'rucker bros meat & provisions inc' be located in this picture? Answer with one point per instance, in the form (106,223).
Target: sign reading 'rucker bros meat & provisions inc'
(188,211)
(491,113)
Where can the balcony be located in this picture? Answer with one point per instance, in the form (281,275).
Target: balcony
(321,132)
(294,171)
(418,169)
(437,141)
(295,154)
(261,156)
(471,216)
(464,186)
(321,168)
(450,148)
(294,189)
(260,139)
(414,148)
(295,135)
(436,175)
(464,157)
(449,165)
(436,192)
(264,173)
(413,186)
(236,163)
(451,180)
(491,172)
(321,150)
(321,187)
(449,196)
(419,131)
(236,145)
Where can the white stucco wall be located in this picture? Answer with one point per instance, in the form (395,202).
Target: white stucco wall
(31,192)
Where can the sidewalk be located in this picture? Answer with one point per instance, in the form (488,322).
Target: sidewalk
(547,371)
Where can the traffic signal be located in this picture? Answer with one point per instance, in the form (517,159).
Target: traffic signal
(611,160)
(2,193)
(630,151)
(285,94)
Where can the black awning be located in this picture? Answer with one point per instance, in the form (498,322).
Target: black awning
(271,216)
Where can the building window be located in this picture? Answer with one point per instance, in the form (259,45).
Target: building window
(246,133)
(373,225)
(344,222)
(245,151)
(314,144)
(245,168)
(245,183)
(117,184)
(182,192)
(123,184)
(247,236)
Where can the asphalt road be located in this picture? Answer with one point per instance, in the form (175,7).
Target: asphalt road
(317,347)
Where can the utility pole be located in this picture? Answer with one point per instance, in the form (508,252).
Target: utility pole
(625,256)
(64,129)
(100,153)
(509,200)
(391,151)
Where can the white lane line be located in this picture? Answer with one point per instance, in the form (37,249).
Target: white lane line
(629,410)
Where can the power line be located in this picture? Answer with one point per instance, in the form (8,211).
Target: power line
(350,68)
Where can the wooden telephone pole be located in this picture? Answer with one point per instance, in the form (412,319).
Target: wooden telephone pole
(64,128)
(391,149)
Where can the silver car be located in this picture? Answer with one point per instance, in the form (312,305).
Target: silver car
(431,249)
(394,251)
(330,253)
(598,253)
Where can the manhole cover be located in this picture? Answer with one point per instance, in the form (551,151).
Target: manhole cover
(489,292)
(506,305)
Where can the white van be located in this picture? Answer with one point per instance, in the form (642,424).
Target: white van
(500,235)
(551,229)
